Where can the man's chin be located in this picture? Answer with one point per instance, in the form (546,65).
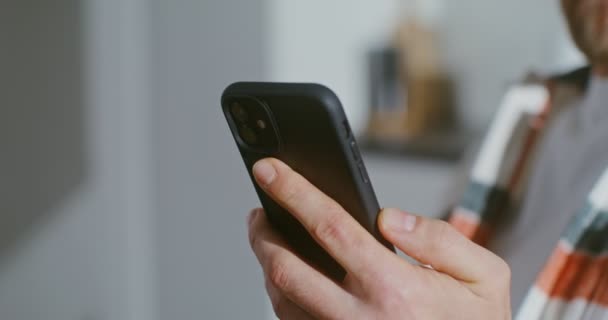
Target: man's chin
(598,57)
(595,43)
(598,52)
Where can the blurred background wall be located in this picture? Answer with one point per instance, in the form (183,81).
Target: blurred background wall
(205,268)
(74,184)
(486,45)
(122,194)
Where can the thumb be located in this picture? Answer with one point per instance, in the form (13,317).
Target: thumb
(438,244)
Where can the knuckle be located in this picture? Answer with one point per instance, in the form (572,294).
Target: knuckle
(444,237)
(390,296)
(288,187)
(331,228)
(290,191)
(385,288)
(278,274)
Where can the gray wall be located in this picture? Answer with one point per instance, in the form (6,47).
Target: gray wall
(206,270)
(122,195)
(55,258)
(72,219)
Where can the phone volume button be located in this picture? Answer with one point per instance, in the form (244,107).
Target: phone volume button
(363,172)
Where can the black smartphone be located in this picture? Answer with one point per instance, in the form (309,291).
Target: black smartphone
(304,126)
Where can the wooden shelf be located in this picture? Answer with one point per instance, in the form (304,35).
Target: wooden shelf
(442,146)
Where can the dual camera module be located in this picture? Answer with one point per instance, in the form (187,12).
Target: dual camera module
(253,123)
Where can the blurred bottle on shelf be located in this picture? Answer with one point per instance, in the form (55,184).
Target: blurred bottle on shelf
(411,92)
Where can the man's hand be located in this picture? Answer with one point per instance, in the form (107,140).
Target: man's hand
(459,279)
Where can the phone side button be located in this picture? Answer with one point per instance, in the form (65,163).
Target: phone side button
(363,172)
(354,150)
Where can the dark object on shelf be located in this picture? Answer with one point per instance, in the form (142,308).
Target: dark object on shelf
(388,91)
(412,98)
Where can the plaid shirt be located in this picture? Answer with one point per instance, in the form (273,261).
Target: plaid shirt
(574,282)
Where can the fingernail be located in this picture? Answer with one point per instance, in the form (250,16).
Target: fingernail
(264,172)
(398,221)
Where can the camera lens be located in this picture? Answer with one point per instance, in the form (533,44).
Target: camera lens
(252,123)
(261,124)
(238,112)
(248,135)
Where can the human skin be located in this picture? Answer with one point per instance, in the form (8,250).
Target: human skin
(465,281)
(588,22)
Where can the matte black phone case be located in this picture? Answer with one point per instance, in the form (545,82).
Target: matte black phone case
(316,141)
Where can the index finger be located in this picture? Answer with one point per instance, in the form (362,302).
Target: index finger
(327,222)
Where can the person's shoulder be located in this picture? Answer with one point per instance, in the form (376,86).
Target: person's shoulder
(576,77)
(562,88)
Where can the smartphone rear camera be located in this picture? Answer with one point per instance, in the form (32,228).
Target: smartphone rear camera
(248,135)
(253,122)
(238,112)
